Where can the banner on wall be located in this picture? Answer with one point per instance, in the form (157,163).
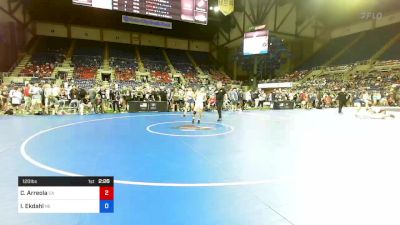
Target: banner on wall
(226,6)
(276,85)
(146,22)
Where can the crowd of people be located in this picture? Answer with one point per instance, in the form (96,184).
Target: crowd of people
(374,89)
(288,77)
(36,70)
(42,64)
(72,98)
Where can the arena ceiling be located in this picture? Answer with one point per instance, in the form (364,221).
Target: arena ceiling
(334,13)
(330,13)
(63,11)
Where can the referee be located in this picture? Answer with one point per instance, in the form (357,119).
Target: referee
(342,98)
(220,95)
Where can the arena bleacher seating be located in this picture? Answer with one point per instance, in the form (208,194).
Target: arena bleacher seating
(123,60)
(191,78)
(368,45)
(289,77)
(218,75)
(209,66)
(204,61)
(161,77)
(180,61)
(182,64)
(393,52)
(327,52)
(49,53)
(87,59)
(153,59)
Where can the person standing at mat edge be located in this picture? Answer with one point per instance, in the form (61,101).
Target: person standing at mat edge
(220,95)
(200,98)
(342,98)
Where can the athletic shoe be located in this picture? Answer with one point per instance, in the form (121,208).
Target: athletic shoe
(219,120)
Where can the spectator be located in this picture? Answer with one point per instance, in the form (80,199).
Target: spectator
(115,96)
(27,97)
(36,93)
(16,99)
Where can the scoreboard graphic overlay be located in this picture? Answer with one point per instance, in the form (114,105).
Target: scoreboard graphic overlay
(65,194)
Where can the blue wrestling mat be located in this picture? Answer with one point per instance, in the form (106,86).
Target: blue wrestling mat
(264,168)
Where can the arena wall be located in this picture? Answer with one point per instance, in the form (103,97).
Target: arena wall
(87,33)
(388,19)
(201,46)
(4,18)
(175,43)
(15,33)
(118,36)
(135,38)
(152,40)
(352,29)
(18,14)
(53,30)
